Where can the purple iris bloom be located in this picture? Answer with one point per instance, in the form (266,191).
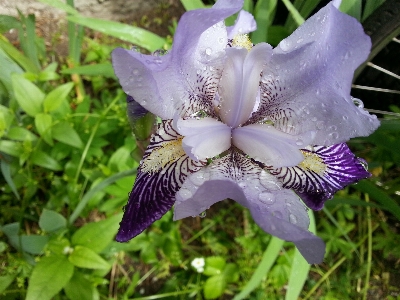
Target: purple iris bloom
(264,127)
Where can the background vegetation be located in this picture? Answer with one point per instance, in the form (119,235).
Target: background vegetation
(68,160)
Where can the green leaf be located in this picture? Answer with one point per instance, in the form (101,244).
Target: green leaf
(264,11)
(11,148)
(231,273)
(6,172)
(8,67)
(214,265)
(105,70)
(60,5)
(268,259)
(18,57)
(380,196)
(98,235)
(79,287)
(6,117)
(64,133)
(49,276)
(43,124)
(33,244)
(294,12)
(44,160)
(214,287)
(21,134)
(28,95)
(51,221)
(54,99)
(192,4)
(134,35)
(5,281)
(8,22)
(86,258)
(352,8)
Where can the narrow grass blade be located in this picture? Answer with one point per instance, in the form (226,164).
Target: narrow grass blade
(192,4)
(264,15)
(294,12)
(5,170)
(268,259)
(105,70)
(370,6)
(352,8)
(60,5)
(305,7)
(132,34)
(300,268)
(380,196)
(89,194)
(17,56)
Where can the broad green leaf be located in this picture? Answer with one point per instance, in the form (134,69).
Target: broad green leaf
(98,235)
(54,99)
(49,276)
(105,70)
(79,287)
(6,117)
(5,281)
(28,95)
(86,258)
(43,122)
(268,259)
(21,134)
(214,265)
(60,5)
(192,4)
(6,172)
(64,133)
(33,244)
(44,160)
(214,287)
(51,221)
(231,273)
(11,148)
(134,35)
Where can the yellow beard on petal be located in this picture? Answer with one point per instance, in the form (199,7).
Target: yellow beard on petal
(243,41)
(162,156)
(312,162)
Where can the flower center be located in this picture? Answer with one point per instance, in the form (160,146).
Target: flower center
(312,162)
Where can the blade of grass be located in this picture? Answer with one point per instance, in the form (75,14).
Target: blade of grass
(27,39)
(17,56)
(75,37)
(105,70)
(352,8)
(132,34)
(300,268)
(192,4)
(268,259)
(370,6)
(380,196)
(369,255)
(264,15)
(294,12)
(60,5)
(5,170)
(305,7)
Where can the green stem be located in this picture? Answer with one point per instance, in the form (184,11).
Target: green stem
(369,256)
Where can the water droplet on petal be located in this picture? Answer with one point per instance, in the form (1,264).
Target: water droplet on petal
(292,219)
(208,51)
(185,193)
(267,198)
(320,125)
(135,72)
(203,214)
(363,162)
(334,135)
(345,118)
(199,178)
(277,214)
(299,41)
(357,102)
(285,45)
(299,142)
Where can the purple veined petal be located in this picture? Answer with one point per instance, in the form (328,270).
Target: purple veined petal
(324,52)
(270,146)
(188,73)
(245,23)
(324,171)
(239,83)
(277,211)
(204,138)
(134,109)
(161,173)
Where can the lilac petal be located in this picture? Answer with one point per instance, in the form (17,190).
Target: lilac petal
(278,212)
(134,109)
(204,138)
(240,81)
(161,173)
(324,52)
(245,23)
(188,73)
(270,146)
(324,171)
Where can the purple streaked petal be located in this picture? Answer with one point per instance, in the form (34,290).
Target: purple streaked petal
(204,138)
(161,173)
(270,146)
(245,23)
(134,109)
(162,84)
(277,211)
(324,171)
(324,51)
(239,83)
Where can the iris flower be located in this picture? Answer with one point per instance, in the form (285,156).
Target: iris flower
(261,126)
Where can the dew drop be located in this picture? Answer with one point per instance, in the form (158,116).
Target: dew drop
(285,45)
(160,52)
(221,40)
(199,178)
(357,102)
(334,135)
(277,214)
(299,142)
(299,41)
(363,163)
(267,198)
(208,51)
(314,119)
(320,125)
(135,72)
(185,193)
(203,214)
(292,219)
(345,117)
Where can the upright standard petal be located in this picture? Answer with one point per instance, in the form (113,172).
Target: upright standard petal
(324,52)
(323,172)
(161,173)
(277,211)
(239,83)
(189,72)
(245,23)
